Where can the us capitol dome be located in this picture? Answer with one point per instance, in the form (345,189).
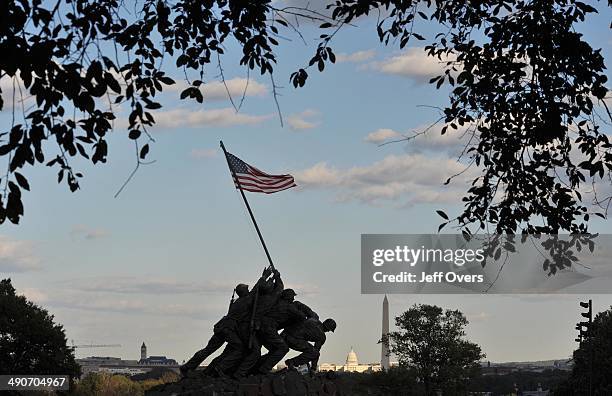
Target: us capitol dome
(351,359)
(351,365)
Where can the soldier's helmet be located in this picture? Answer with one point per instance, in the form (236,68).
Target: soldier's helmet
(287,294)
(242,290)
(329,324)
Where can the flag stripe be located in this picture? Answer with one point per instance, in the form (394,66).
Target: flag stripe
(267,191)
(252,179)
(247,179)
(244,182)
(262,175)
(254,188)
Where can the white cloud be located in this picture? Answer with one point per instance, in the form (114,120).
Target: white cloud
(17,256)
(433,139)
(224,117)
(381,135)
(412,63)
(132,306)
(89,233)
(203,153)
(426,138)
(406,179)
(144,285)
(148,295)
(34,295)
(217,91)
(6,85)
(356,57)
(138,295)
(319,175)
(304,120)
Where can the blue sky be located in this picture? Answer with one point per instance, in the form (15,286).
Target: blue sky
(158,263)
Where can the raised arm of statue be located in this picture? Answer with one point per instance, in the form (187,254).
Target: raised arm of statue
(260,282)
(278,283)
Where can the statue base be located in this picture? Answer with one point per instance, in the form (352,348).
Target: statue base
(281,383)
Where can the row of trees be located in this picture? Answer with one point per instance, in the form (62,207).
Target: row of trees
(402,381)
(433,353)
(105,384)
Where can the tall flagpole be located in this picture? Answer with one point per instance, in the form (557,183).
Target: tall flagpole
(248,206)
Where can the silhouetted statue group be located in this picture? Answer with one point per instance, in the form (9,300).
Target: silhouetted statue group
(254,320)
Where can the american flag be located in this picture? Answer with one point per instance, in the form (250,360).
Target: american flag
(254,180)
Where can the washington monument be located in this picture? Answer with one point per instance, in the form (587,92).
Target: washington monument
(384,353)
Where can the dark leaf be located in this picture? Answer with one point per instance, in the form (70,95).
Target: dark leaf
(144,151)
(134,134)
(442,214)
(22,181)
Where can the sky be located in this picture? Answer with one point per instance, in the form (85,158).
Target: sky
(159,262)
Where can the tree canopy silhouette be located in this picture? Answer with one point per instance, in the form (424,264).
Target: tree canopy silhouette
(524,83)
(593,356)
(30,341)
(431,342)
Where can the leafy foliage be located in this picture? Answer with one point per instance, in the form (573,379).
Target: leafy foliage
(30,341)
(598,347)
(431,342)
(107,384)
(524,83)
(558,252)
(80,53)
(94,384)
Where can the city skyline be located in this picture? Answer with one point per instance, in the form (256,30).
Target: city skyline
(143,352)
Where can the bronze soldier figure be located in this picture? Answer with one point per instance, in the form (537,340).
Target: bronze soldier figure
(299,337)
(280,315)
(289,295)
(227,329)
(253,321)
(269,293)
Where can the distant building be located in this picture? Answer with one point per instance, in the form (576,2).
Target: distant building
(129,371)
(115,365)
(351,365)
(95,364)
(157,361)
(154,360)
